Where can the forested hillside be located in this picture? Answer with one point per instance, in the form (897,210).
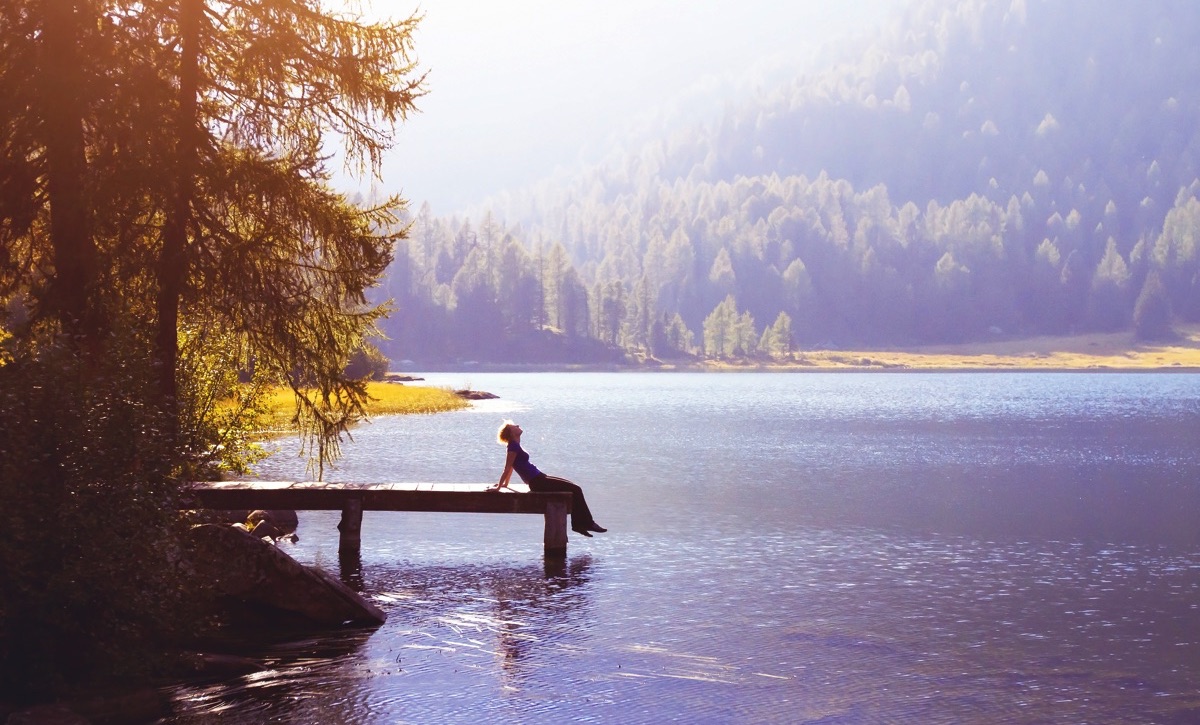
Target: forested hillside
(983,168)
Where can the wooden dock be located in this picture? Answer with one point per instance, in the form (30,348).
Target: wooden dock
(354,498)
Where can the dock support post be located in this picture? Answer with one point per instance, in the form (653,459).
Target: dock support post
(351,526)
(556,528)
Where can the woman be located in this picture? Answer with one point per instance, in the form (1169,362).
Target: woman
(518,460)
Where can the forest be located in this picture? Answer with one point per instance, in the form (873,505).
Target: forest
(979,169)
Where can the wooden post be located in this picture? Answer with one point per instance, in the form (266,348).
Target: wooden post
(556,528)
(351,526)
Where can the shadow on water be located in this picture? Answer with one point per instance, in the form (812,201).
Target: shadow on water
(482,624)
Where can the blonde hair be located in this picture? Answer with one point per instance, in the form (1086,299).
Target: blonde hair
(503,434)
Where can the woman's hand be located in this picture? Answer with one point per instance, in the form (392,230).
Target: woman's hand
(508,471)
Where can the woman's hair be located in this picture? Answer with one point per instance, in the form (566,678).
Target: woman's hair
(503,433)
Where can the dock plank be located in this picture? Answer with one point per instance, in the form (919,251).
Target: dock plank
(352,499)
(313,496)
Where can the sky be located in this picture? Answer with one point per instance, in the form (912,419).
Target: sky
(520,88)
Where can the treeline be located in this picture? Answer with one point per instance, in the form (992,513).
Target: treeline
(984,168)
(767,266)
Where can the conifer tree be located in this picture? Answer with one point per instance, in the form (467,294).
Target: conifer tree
(202,194)
(1152,312)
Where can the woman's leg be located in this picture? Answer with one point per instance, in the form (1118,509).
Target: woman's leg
(581,515)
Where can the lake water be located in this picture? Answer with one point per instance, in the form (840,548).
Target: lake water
(785,548)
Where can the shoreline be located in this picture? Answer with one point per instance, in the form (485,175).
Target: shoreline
(785,368)
(1116,352)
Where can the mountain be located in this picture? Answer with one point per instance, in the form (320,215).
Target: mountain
(980,168)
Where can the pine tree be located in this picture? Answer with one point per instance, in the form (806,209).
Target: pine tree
(721,329)
(1152,312)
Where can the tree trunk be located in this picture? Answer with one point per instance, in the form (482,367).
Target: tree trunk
(172,263)
(74,284)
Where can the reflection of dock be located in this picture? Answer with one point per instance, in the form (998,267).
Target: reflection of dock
(354,498)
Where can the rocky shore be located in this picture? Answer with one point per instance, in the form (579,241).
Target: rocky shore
(257,585)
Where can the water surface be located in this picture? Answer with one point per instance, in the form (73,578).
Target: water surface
(934,548)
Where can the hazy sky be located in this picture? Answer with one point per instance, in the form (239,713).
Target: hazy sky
(520,87)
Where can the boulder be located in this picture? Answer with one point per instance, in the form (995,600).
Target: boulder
(275,524)
(243,566)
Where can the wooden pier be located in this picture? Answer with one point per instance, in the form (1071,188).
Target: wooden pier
(354,498)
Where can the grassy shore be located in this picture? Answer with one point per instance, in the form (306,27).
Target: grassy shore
(385,399)
(1108,351)
(394,398)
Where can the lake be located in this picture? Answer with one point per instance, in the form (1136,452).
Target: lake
(785,548)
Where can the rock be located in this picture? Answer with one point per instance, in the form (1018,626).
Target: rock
(243,566)
(275,524)
(264,529)
(283,519)
(475,395)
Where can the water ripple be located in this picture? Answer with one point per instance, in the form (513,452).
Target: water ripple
(836,548)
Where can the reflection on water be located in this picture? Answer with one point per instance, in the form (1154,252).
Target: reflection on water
(484,621)
(350,567)
(820,626)
(925,549)
(854,627)
(294,668)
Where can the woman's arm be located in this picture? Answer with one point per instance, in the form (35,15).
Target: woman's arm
(508,469)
